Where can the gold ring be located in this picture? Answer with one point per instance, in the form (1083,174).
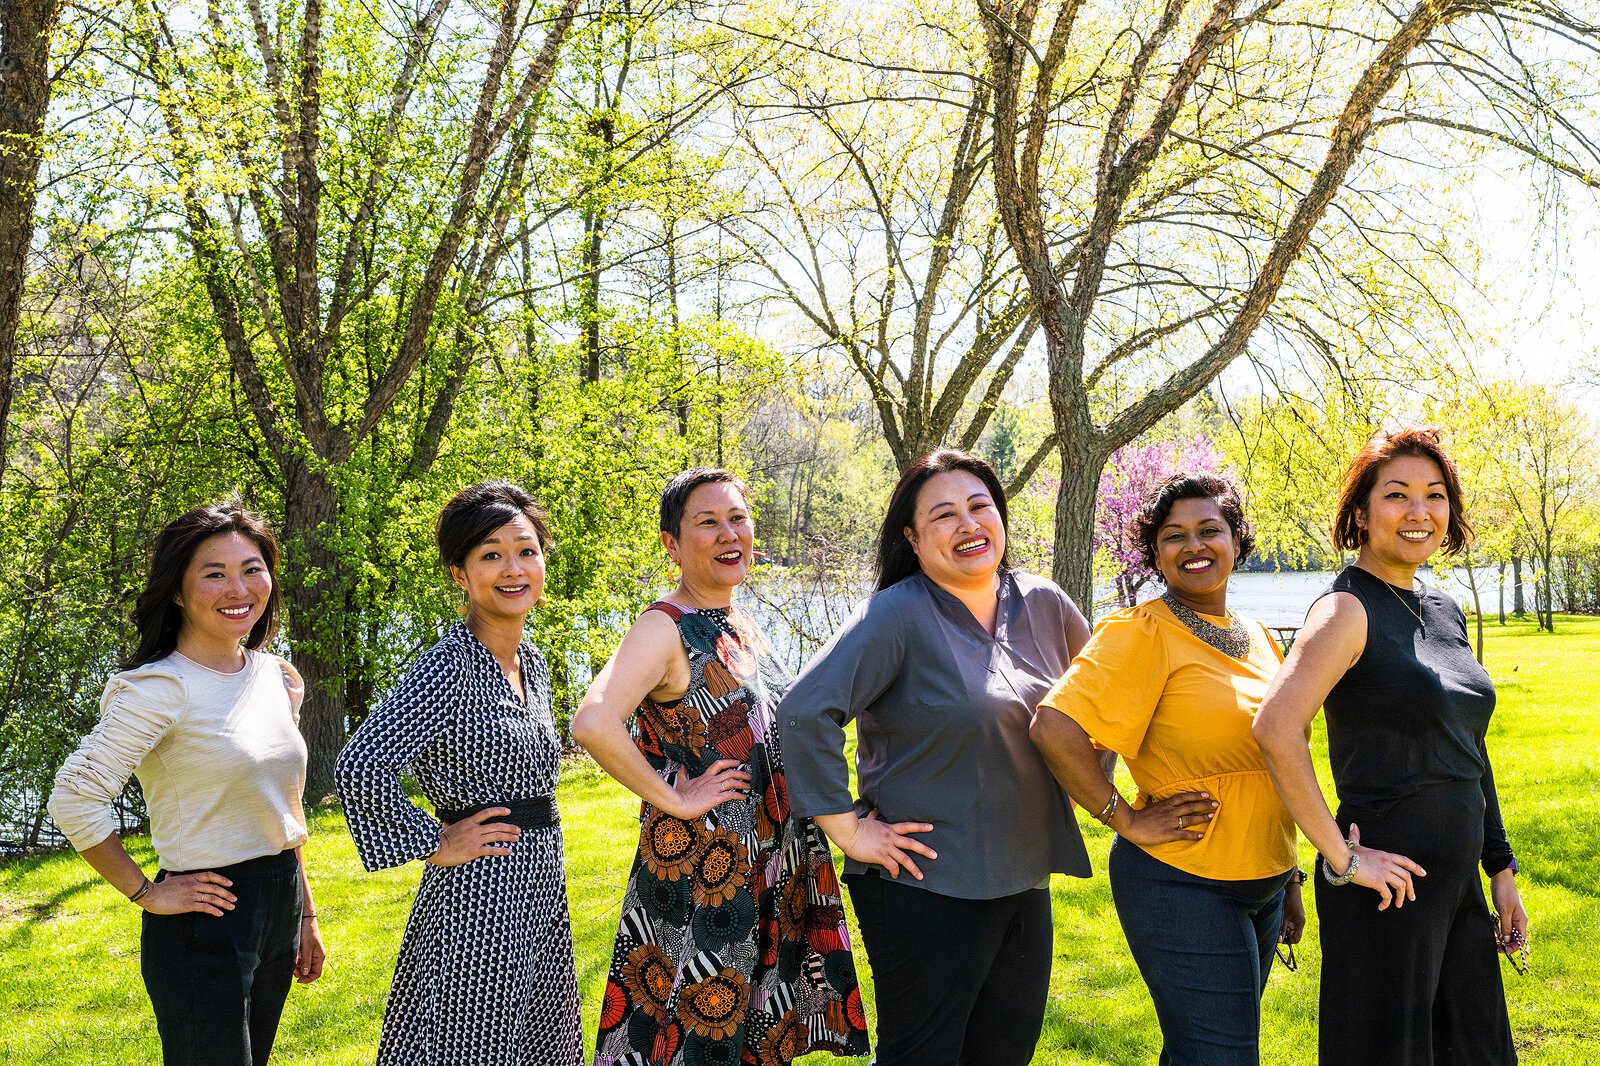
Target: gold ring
(1180,821)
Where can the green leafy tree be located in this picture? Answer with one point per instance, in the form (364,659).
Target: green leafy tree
(1180,181)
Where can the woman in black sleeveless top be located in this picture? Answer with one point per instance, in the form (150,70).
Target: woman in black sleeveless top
(1408,979)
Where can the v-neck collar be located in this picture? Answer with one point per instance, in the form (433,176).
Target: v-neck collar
(482,651)
(962,615)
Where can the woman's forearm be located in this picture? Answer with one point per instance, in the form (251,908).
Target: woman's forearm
(111,861)
(1072,758)
(608,741)
(1293,775)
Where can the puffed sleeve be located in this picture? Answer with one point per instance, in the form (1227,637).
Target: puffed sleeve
(847,676)
(1113,685)
(388,829)
(136,711)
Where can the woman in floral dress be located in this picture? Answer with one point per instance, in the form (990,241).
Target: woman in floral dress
(732,946)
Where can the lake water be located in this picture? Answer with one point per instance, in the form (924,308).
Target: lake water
(798,617)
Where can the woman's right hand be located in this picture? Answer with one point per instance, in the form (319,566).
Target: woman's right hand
(724,780)
(1180,817)
(887,844)
(461,842)
(204,893)
(1387,874)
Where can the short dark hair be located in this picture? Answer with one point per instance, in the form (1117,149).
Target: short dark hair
(1157,505)
(1361,476)
(897,560)
(156,614)
(675,497)
(477,511)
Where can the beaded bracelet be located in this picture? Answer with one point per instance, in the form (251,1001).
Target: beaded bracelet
(1110,808)
(1349,871)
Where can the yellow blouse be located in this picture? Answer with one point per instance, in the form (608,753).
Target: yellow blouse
(1179,712)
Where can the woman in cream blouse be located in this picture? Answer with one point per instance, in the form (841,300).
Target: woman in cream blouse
(208,723)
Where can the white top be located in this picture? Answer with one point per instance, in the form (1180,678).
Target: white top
(220,758)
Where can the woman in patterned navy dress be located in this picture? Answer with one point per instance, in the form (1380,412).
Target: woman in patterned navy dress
(485,975)
(731,947)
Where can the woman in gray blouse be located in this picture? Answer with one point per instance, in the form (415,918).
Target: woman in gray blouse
(941,669)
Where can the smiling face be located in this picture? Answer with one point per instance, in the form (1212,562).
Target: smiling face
(1196,551)
(226,587)
(957,531)
(503,575)
(1405,519)
(715,541)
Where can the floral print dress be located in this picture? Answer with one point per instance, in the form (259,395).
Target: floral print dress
(732,947)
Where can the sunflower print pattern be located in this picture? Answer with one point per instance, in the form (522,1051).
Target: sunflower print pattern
(732,947)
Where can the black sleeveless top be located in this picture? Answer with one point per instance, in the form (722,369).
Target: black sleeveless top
(1413,710)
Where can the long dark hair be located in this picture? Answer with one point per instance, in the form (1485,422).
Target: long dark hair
(156,613)
(896,559)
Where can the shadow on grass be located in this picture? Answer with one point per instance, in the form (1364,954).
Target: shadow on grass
(35,912)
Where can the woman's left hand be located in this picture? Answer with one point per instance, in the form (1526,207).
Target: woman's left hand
(308,964)
(1513,931)
(1294,915)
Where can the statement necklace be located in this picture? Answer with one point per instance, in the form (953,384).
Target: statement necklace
(1234,641)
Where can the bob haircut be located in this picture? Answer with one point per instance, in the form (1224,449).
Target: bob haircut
(1361,477)
(896,559)
(156,614)
(477,511)
(1158,503)
(675,497)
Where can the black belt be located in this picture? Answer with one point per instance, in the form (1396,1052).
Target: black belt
(534,813)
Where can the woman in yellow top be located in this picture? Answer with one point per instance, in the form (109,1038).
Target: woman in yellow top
(1203,865)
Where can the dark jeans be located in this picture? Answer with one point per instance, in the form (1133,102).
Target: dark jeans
(218,984)
(1204,948)
(960,982)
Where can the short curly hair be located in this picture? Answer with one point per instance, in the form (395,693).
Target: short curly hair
(1158,502)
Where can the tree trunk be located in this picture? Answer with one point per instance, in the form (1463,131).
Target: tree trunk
(1547,619)
(1072,565)
(1518,608)
(1502,592)
(1477,604)
(26,27)
(316,630)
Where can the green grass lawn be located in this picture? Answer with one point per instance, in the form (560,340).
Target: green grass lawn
(70,991)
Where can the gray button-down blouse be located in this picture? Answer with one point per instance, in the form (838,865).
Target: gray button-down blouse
(942,711)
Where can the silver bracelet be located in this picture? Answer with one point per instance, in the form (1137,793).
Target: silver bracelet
(1349,871)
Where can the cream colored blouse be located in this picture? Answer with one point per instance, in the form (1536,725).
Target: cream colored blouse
(219,756)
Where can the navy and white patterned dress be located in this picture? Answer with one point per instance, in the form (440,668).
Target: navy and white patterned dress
(486,972)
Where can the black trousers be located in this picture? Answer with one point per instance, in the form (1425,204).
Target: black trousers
(959,982)
(218,985)
(1417,985)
